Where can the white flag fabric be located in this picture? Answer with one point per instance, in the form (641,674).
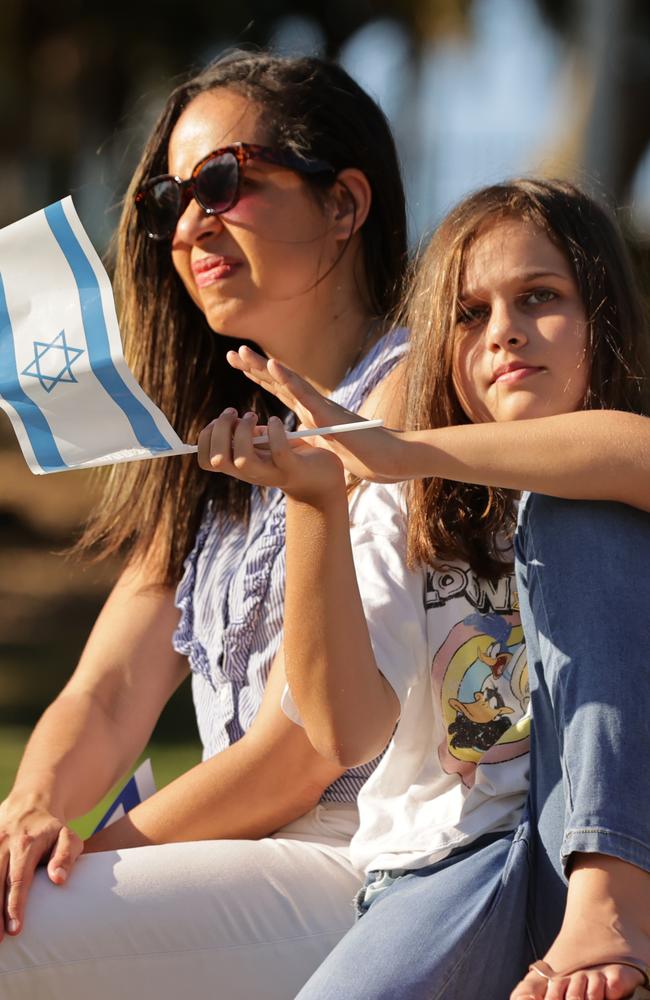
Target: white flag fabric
(63,379)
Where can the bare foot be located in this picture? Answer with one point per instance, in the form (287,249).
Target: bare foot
(607,917)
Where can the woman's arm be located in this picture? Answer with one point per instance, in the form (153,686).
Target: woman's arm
(89,736)
(102,720)
(588,455)
(271,776)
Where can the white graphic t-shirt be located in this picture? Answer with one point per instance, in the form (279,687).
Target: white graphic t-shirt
(451,646)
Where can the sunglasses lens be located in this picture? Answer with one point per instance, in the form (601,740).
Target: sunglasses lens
(216,183)
(160,208)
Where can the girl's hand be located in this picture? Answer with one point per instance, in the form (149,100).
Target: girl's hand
(304,472)
(376,455)
(29,836)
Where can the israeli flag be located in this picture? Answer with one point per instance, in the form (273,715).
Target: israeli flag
(138,788)
(63,379)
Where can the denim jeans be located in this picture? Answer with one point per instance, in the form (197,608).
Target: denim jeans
(469,925)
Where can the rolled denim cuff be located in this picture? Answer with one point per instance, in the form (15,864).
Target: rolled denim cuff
(600,840)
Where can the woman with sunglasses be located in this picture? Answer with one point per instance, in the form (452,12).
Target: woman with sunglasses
(268,207)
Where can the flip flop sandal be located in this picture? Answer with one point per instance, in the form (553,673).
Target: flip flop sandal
(642,991)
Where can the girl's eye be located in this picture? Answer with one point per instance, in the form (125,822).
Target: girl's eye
(469,316)
(541,296)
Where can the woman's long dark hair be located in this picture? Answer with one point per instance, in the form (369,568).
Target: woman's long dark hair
(450,520)
(309,106)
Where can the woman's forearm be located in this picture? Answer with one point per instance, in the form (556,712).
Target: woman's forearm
(270,777)
(244,792)
(348,708)
(72,758)
(588,455)
(94,730)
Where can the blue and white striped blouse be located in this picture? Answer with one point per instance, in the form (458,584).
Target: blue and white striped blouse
(231,598)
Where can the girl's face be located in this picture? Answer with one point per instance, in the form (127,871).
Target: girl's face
(521,332)
(256,267)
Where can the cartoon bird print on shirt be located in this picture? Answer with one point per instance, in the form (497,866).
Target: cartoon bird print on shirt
(480,723)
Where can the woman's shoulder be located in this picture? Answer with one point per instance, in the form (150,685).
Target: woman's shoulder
(372,370)
(385,400)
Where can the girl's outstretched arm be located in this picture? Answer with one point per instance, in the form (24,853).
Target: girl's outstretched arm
(347,707)
(586,455)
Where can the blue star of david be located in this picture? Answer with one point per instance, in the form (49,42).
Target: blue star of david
(68,357)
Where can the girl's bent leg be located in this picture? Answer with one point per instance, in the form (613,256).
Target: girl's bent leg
(233,919)
(582,572)
(455,930)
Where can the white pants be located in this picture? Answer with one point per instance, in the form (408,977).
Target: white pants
(225,920)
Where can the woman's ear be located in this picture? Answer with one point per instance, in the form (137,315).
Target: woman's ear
(351,200)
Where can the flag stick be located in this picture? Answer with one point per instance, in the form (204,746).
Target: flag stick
(358,425)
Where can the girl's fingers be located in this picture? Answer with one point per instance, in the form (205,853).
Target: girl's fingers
(259,430)
(292,390)
(250,361)
(243,451)
(306,400)
(67,849)
(234,360)
(297,389)
(214,444)
(274,376)
(254,367)
(279,444)
(226,445)
(251,364)
(203,444)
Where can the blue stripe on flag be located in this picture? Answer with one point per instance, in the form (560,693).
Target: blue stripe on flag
(36,426)
(128,798)
(99,351)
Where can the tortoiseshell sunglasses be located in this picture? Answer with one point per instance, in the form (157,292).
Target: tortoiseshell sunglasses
(215,183)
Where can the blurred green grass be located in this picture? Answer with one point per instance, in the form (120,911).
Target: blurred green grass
(168,761)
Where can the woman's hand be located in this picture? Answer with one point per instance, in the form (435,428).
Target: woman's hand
(304,472)
(29,836)
(376,455)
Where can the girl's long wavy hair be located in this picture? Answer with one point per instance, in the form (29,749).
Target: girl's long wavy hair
(450,520)
(311,107)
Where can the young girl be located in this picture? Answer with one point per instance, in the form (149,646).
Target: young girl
(267,206)
(526,329)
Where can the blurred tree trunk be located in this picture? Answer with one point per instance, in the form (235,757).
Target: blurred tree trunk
(617,127)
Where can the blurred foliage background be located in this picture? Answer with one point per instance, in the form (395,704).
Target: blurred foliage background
(475,90)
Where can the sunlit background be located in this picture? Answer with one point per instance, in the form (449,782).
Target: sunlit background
(475,90)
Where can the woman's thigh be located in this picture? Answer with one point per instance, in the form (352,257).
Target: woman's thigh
(233,919)
(456,930)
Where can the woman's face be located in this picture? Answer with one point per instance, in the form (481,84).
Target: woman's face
(521,333)
(256,267)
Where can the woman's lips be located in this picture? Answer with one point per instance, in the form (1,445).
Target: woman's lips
(208,270)
(515,373)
